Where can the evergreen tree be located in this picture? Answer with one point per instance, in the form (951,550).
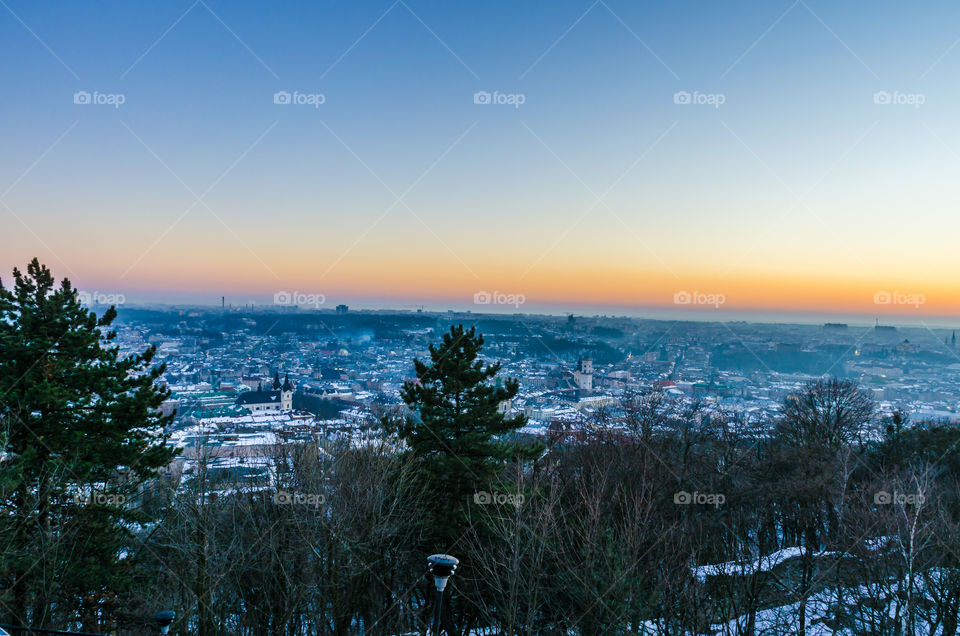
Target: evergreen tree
(459,432)
(81,433)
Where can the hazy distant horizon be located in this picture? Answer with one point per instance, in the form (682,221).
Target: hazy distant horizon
(669,313)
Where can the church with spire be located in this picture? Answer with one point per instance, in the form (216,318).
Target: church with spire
(279,398)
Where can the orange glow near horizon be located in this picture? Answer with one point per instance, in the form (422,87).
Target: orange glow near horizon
(595,264)
(419,280)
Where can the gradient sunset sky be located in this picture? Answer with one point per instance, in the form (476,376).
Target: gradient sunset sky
(827,175)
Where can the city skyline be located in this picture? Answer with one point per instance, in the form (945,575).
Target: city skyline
(792,158)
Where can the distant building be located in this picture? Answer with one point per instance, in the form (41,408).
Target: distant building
(280,398)
(342,309)
(883,328)
(583,376)
(907,347)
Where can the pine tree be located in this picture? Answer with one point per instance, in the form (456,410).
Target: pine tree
(81,433)
(459,434)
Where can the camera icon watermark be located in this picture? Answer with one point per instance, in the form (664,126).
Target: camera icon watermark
(484,498)
(498,298)
(697,98)
(897,98)
(884,498)
(96,98)
(684,498)
(683,297)
(883,297)
(296,98)
(484,98)
(284,498)
(298,299)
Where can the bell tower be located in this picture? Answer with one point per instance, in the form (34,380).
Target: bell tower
(583,375)
(286,394)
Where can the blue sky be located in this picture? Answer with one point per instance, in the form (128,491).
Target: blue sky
(798,182)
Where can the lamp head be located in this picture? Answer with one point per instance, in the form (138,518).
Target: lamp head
(164,619)
(442,567)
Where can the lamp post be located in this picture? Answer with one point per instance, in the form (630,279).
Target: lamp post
(441,567)
(164,619)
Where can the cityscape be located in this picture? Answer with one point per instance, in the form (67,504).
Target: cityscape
(242,379)
(460,318)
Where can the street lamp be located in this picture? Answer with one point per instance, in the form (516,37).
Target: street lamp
(164,618)
(441,567)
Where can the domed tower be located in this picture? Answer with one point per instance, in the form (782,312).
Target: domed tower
(286,394)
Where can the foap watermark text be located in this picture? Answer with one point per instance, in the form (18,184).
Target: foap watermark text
(884,498)
(498,298)
(298,299)
(497,98)
(898,298)
(99,298)
(96,98)
(696,98)
(684,297)
(284,498)
(898,98)
(695,498)
(99,499)
(484,498)
(296,98)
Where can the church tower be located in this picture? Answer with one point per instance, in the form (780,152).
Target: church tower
(583,376)
(286,394)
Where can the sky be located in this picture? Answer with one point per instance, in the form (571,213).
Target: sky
(796,157)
